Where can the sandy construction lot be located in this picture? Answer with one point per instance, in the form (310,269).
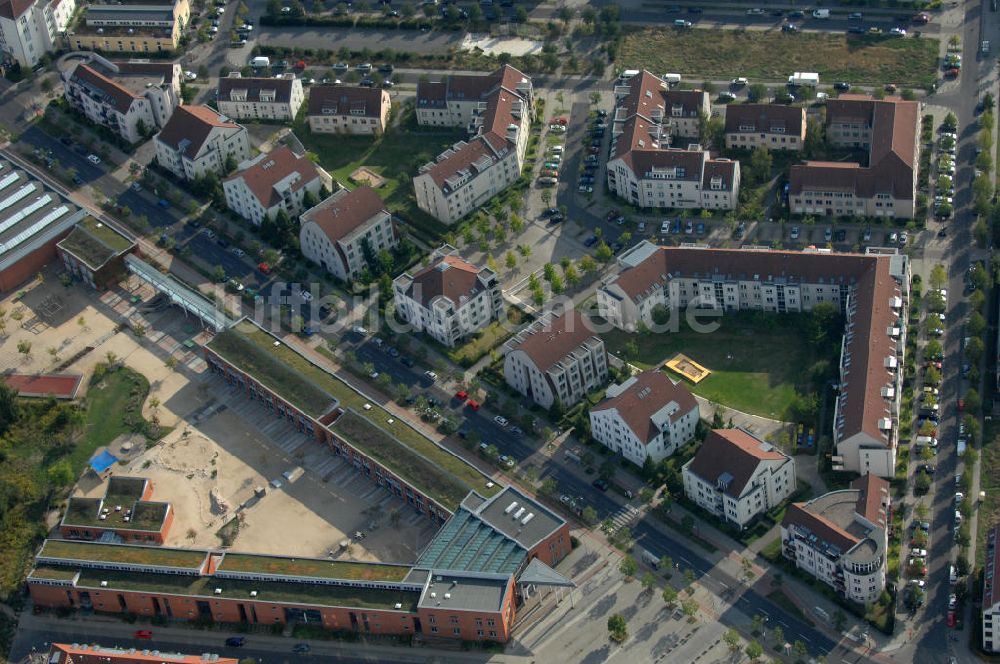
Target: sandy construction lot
(220,442)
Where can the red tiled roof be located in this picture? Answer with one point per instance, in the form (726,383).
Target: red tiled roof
(193,123)
(345,211)
(765,118)
(118,96)
(798,514)
(874,288)
(555,341)
(466,87)
(12,9)
(892,157)
(873,498)
(282,88)
(343,99)
(651,392)
(271,168)
(732,451)
(462,158)
(450,277)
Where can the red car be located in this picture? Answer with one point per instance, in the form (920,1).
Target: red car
(952,73)
(143,634)
(461,394)
(961,404)
(951,619)
(561,121)
(921,18)
(264,268)
(473,404)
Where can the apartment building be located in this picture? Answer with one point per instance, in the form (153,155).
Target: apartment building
(648,416)
(888,129)
(646,169)
(273,182)
(449,299)
(736,476)
(497,110)
(133,27)
(556,358)
(869,289)
(991,592)
(132,98)
(842,538)
(678,113)
(251,98)
(30,29)
(345,230)
(771,126)
(83,653)
(343,109)
(197,140)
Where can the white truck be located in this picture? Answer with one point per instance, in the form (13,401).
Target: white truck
(807,78)
(672,79)
(260,61)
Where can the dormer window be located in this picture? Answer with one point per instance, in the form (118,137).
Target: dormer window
(777,130)
(716,183)
(748,128)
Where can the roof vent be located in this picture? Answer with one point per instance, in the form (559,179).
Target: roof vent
(218,591)
(253,593)
(510,508)
(398,606)
(433,595)
(525,520)
(519,512)
(104,584)
(276,344)
(447,595)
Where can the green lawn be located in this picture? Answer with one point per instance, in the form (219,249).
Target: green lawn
(714,54)
(490,337)
(756,367)
(113,403)
(396,156)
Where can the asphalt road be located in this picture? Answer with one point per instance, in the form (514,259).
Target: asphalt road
(412,41)
(69,157)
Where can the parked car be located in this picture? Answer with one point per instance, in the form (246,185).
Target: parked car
(500,421)
(601,484)
(236,641)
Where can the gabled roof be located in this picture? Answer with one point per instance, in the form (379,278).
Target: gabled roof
(115,95)
(262,175)
(449,277)
(554,340)
(345,211)
(873,499)
(467,87)
(12,9)
(644,396)
(475,157)
(732,456)
(346,100)
(765,118)
(190,126)
(253,87)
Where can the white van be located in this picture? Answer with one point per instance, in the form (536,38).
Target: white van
(650,559)
(627,74)
(556,149)
(952,574)
(821,13)
(926,440)
(260,61)
(672,79)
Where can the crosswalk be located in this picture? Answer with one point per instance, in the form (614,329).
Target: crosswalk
(625,516)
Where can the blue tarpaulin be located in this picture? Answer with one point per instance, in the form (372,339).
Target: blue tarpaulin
(103,461)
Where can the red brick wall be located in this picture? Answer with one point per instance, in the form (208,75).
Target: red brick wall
(553,548)
(30,265)
(469,623)
(137,536)
(223,609)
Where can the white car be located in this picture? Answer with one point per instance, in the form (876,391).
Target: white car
(919,583)
(944,293)
(918,553)
(952,601)
(373,375)
(898,32)
(357,329)
(190,75)
(585,189)
(959,497)
(795,233)
(306,295)
(93,158)
(501,421)
(558,128)
(430,374)
(239,252)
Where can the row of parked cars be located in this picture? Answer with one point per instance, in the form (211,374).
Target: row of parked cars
(594,138)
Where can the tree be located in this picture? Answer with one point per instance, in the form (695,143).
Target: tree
(973,402)
(778,635)
(10,409)
(757,92)
(511,260)
(690,607)
(800,650)
(607,470)
(603,252)
(60,473)
(754,651)
(815,140)
(732,639)
(648,581)
(617,628)
(24,348)
(219,273)
(760,165)
(839,619)
(628,567)
(938,278)
(589,515)
(974,350)
(587,264)
(669,595)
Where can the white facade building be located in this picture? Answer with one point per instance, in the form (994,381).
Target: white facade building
(648,167)
(842,538)
(129,98)
(498,117)
(736,476)
(868,289)
(556,358)
(30,28)
(277,98)
(648,416)
(991,592)
(336,233)
(344,109)
(197,140)
(449,299)
(272,182)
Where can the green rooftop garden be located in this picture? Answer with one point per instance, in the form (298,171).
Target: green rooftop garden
(267,591)
(326,569)
(279,368)
(54,573)
(398,446)
(94,242)
(140,515)
(128,555)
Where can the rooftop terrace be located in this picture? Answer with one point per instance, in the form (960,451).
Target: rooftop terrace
(132,515)
(267,591)
(311,567)
(399,447)
(118,553)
